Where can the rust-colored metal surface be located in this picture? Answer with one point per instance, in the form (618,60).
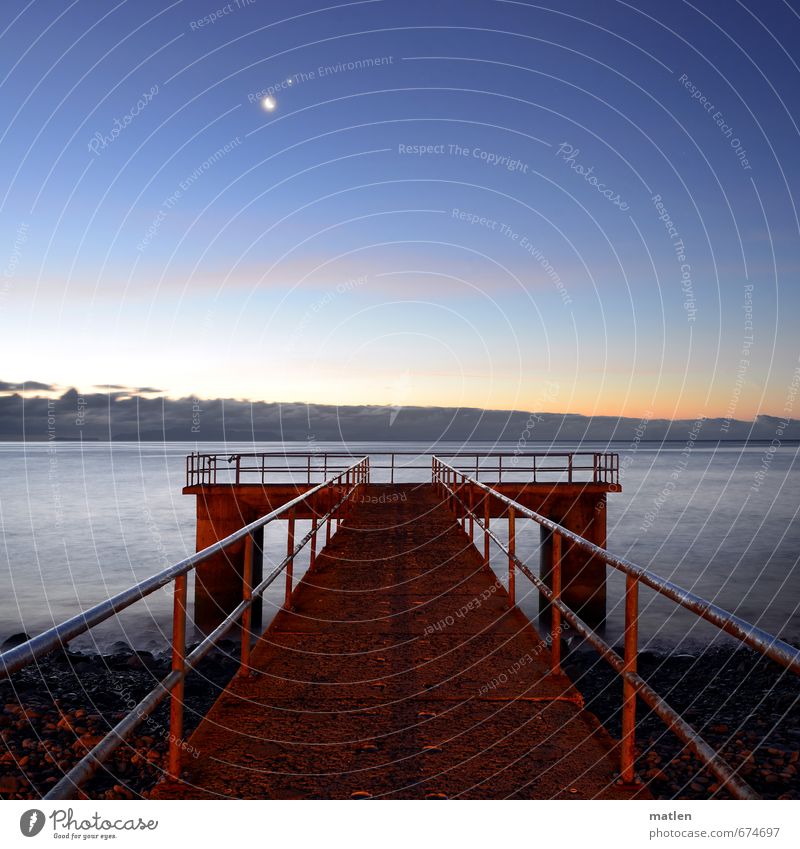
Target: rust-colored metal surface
(401,671)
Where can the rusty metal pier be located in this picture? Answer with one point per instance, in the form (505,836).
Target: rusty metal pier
(400,669)
(231,490)
(399,666)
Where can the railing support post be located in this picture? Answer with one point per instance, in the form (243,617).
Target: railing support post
(555,613)
(178,665)
(628,742)
(511,552)
(486,530)
(471,514)
(312,561)
(290,564)
(258,574)
(247,615)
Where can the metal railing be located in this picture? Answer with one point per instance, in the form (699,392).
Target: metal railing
(263,467)
(461,491)
(344,484)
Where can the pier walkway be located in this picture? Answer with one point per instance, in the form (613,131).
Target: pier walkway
(400,670)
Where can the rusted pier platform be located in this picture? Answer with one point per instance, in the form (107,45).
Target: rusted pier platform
(401,670)
(569,488)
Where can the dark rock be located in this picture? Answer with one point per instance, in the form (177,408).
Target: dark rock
(14,640)
(9,784)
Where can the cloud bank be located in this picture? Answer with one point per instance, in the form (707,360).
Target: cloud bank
(130,414)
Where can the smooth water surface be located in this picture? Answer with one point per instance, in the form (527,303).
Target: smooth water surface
(82,521)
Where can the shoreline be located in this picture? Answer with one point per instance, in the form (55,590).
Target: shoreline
(742,704)
(52,714)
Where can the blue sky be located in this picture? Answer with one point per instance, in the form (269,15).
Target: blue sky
(212,247)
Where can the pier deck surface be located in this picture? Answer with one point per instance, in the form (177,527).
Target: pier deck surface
(402,671)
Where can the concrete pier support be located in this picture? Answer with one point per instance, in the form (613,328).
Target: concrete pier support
(221,510)
(218,581)
(583,578)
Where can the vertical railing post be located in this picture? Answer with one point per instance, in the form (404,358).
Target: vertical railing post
(448,500)
(486,507)
(258,574)
(290,562)
(247,614)
(555,613)
(500,469)
(463,502)
(312,561)
(471,514)
(330,507)
(392,478)
(628,743)
(178,665)
(238,464)
(511,551)
(335,516)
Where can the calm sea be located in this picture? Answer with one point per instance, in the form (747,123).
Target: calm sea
(80,522)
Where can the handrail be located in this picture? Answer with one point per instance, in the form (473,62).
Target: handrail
(446,476)
(599,467)
(57,637)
